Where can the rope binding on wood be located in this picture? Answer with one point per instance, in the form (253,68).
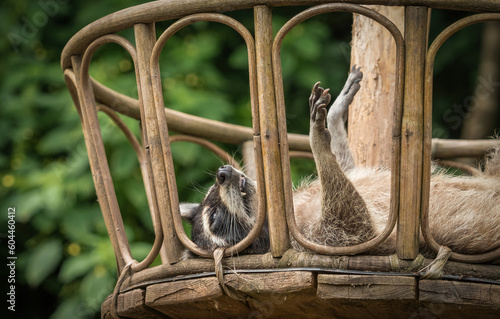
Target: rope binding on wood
(219,272)
(435,269)
(126,272)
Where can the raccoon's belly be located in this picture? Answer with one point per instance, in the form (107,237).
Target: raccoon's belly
(464,212)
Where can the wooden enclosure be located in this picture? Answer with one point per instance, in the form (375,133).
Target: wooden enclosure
(335,280)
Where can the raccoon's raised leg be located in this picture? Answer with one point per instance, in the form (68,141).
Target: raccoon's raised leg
(345,219)
(337,115)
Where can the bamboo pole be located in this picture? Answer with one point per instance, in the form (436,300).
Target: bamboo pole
(412,133)
(145,40)
(278,230)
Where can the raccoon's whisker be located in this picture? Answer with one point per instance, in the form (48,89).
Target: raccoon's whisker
(197,187)
(210,173)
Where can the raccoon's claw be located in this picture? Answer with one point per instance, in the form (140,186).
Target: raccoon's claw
(318,101)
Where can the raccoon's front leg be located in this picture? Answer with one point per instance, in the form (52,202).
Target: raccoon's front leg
(337,115)
(344,216)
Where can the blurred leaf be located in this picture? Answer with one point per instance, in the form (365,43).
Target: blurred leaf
(95,286)
(140,250)
(43,261)
(77,266)
(71,308)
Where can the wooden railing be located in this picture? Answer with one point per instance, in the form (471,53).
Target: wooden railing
(272,144)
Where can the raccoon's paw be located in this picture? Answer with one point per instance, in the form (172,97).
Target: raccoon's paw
(352,86)
(319,136)
(346,96)
(317,104)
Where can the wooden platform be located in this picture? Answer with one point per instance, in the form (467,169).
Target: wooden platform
(283,293)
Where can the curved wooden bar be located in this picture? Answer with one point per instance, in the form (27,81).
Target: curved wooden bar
(158,98)
(155,215)
(393,215)
(237,134)
(100,168)
(189,124)
(428,148)
(172,9)
(209,146)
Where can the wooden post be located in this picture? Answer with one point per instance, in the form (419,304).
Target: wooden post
(145,39)
(278,230)
(412,133)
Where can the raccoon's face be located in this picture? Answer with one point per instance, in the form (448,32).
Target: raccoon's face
(226,214)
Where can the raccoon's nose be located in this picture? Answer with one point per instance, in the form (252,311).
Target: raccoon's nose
(223,174)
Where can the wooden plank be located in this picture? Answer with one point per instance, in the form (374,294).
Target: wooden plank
(278,294)
(366,287)
(194,298)
(294,295)
(412,133)
(182,291)
(271,283)
(130,305)
(442,291)
(106,308)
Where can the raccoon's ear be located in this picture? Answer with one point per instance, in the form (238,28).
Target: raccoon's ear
(188,210)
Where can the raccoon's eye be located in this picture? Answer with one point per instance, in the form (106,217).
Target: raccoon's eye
(212,216)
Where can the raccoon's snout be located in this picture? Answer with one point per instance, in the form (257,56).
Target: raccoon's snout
(227,176)
(224,174)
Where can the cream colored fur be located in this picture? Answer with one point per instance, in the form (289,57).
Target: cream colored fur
(464,212)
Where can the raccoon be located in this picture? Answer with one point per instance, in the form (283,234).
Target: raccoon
(226,214)
(348,205)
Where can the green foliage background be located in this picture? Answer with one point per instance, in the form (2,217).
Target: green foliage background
(65,266)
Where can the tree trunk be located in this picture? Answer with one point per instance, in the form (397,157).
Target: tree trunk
(370,115)
(483,115)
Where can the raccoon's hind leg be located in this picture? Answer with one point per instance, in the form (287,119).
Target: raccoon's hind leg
(337,115)
(344,217)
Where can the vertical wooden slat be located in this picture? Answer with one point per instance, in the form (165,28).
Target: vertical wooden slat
(100,169)
(269,132)
(94,166)
(145,40)
(412,133)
